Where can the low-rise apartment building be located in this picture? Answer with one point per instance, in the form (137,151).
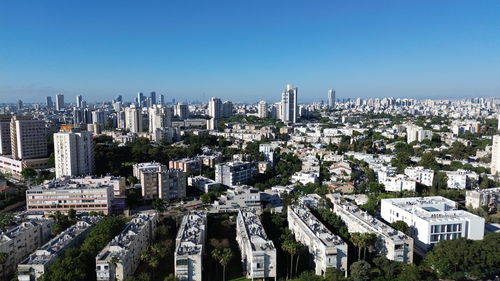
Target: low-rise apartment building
(190,246)
(187,165)
(38,262)
(234,173)
(391,243)
(432,219)
(203,184)
(157,181)
(82,195)
(420,175)
(461,179)
(121,257)
(258,253)
(327,249)
(483,197)
(21,240)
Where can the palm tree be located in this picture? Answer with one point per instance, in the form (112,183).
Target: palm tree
(357,241)
(223,257)
(369,241)
(300,248)
(3,261)
(291,247)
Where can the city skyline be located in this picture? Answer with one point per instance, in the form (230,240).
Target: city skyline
(247,52)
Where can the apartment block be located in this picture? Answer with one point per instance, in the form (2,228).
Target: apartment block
(187,165)
(483,198)
(327,249)
(416,133)
(21,240)
(203,184)
(432,219)
(159,182)
(121,257)
(461,179)
(190,246)
(74,152)
(495,154)
(420,175)
(234,173)
(38,262)
(391,243)
(258,253)
(28,138)
(82,195)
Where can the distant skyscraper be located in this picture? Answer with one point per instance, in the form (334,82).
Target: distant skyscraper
(74,153)
(140,99)
(49,102)
(119,98)
(59,102)
(495,155)
(289,107)
(331,99)
(79,100)
(19,105)
(162,100)
(262,109)
(152,95)
(215,112)
(78,114)
(98,117)
(133,119)
(227,109)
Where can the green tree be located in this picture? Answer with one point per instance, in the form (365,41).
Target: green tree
(171,277)
(360,271)
(28,173)
(401,226)
(159,205)
(428,161)
(439,182)
(223,257)
(401,161)
(369,241)
(3,260)
(6,219)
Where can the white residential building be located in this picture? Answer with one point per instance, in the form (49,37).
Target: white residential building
(215,113)
(305,177)
(495,154)
(262,109)
(327,249)
(483,197)
(28,138)
(258,254)
(289,106)
(160,117)
(416,133)
(432,219)
(182,111)
(21,240)
(63,194)
(203,184)
(159,182)
(420,175)
(121,257)
(238,197)
(391,243)
(133,119)
(331,99)
(74,153)
(38,262)
(190,247)
(234,173)
(461,179)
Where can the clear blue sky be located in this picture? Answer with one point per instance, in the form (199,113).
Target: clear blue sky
(248,50)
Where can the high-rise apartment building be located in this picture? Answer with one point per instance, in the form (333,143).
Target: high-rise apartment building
(5,146)
(133,119)
(262,109)
(182,111)
(227,109)
(289,107)
(495,155)
(28,138)
(59,102)
(160,117)
(215,112)
(331,99)
(74,153)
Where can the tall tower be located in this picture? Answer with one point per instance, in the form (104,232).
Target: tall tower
(160,117)
(262,109)
(59,102)
(79,100)
(133,119)
(289,107)
(140,99)
(74,153)
(152,95)
(28,138)
(49,102)
(331,99)
(215,112)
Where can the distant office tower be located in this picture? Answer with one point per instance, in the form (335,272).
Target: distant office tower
(19,105)
(133,119)
(495,155)
(152,96)
(215,112)
(59,102)
(227,109)
(182,111)
(262,109)
(119,98)
(98,117)
(162,99)
(289,107)
(49,102)
(79,100)
(331,99)
(140,99)
(74,153)
(5,146)
(28,138)
(160,117)
(78,116)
